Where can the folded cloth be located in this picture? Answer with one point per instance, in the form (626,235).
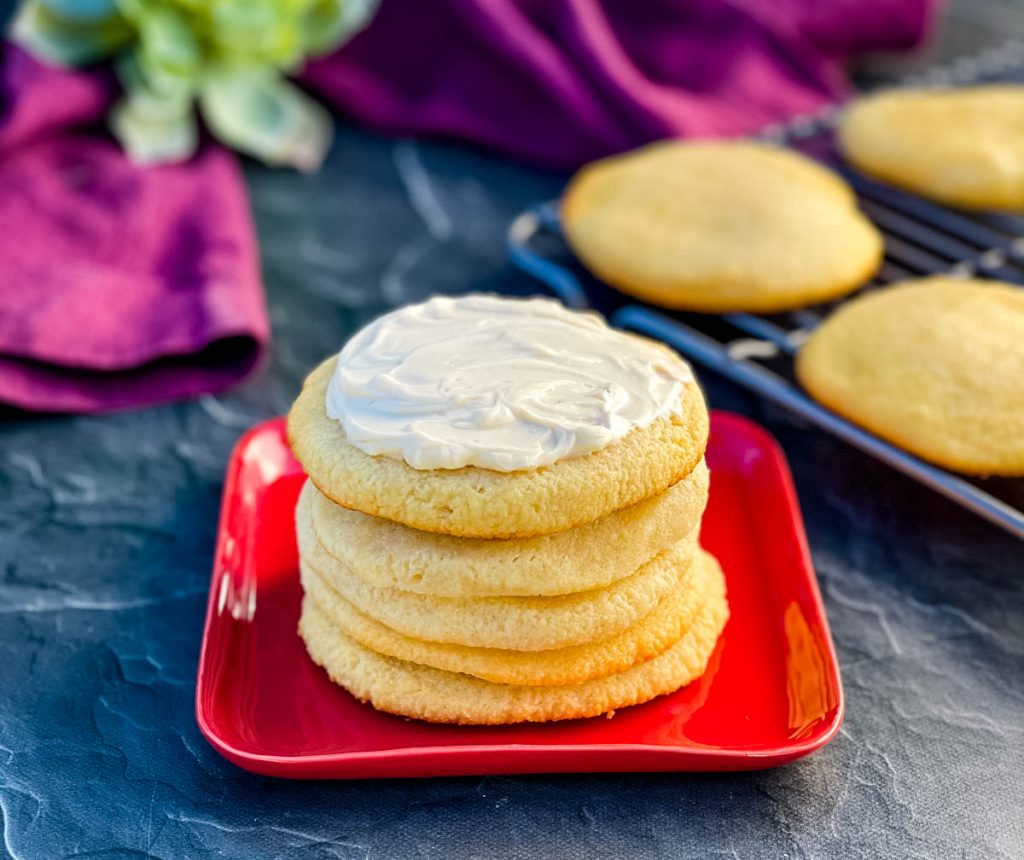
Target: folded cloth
(561,83)
(122,285)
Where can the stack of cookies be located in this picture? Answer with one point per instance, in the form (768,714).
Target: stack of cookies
(502,515)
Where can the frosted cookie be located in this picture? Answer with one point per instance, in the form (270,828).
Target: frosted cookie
(401,687)
(722,226)
(964,147)
(660,628)
(590,556)
(518,623)
(935,366)
(497,418)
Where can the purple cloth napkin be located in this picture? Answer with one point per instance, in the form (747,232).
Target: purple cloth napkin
(122,286)
(561,83)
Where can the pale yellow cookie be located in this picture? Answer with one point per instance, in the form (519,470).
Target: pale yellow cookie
(651,635)
(721,226)
(401,687)
(517,623)
(472,502)
(593,555)
(964,147)
(935,366)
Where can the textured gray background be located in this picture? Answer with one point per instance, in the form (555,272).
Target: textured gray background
(106,535)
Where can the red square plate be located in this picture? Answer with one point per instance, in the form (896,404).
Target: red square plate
(771,692)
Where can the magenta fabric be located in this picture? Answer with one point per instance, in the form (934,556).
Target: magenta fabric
(122,286)
(561,82)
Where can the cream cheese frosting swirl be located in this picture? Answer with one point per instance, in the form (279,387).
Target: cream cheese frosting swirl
(497,383)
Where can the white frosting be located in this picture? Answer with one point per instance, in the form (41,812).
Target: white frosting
(502,384)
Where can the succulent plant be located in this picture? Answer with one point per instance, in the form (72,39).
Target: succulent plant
(228,57)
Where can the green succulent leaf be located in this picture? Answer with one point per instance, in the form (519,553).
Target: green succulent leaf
(66,33)
(82,11)
(168,44)
(146,84)
(330,22)
(256,111)
(137,10)
(153,131)
(258,31)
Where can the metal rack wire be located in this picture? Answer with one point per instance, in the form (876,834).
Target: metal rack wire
(756,351)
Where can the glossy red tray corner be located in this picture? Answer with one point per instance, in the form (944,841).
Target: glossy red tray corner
(771,692)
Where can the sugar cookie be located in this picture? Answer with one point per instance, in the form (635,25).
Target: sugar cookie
(963,147)
(517,623)
(720,226)
(400,687)
(592,555)
(935,365)
(659,629)
(474,502)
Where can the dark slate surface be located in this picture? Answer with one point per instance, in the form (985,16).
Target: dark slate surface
(106,534)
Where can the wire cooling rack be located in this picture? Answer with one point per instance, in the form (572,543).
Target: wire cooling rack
(756,351)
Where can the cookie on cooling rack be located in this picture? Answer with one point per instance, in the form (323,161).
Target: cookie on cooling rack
(720,226)
(963,147)
(934,365)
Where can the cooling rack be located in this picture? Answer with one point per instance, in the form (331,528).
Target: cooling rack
(756,351)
